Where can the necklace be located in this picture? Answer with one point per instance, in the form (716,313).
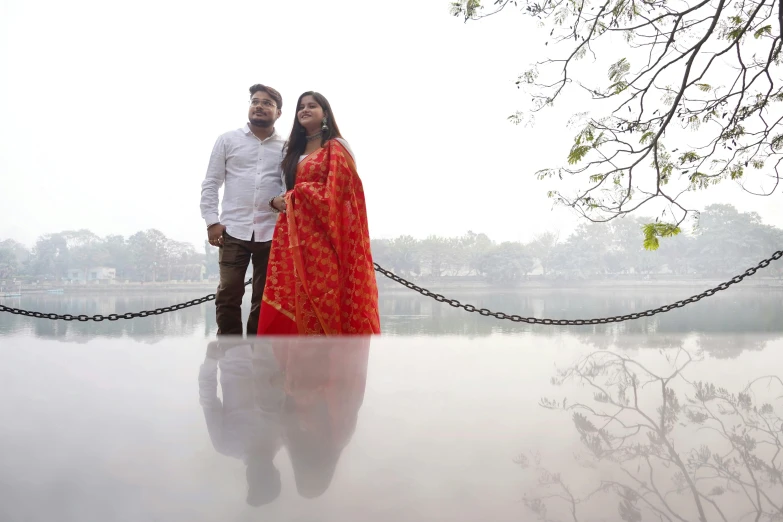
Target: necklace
(314,136)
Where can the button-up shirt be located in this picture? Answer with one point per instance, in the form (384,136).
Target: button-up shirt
(249,415)
(251,171)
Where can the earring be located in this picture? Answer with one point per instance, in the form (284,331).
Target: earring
(324,126)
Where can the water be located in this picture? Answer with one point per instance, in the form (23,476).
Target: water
(426,428)
(738,311)
(448,415)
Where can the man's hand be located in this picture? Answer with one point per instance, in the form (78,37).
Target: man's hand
(214,351)
(215,234)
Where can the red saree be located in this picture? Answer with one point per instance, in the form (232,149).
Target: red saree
(324,385)
(320,279)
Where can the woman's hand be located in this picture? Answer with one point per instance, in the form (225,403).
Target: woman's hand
(279,204)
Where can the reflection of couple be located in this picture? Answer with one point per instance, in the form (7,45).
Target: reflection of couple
(284,393)
(297,209)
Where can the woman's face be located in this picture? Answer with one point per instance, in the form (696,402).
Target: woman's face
(310,114)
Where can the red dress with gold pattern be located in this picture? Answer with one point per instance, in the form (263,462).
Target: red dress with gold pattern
(321,279)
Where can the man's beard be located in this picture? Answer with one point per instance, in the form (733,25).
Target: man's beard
(260,121)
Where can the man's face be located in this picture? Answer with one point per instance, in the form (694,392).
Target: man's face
(263,111)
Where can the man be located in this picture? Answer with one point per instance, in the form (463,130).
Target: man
(246,424)
(247,160)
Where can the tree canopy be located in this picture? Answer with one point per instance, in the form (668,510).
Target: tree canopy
(672,69)
(727,242)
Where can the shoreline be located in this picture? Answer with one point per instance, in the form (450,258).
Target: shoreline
(385,285)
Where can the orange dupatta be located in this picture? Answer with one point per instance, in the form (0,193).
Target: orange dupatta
(321,279)
(324,385)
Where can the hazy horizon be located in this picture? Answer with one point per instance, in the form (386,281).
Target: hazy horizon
(110,112)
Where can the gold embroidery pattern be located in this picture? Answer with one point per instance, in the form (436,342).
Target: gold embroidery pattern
(320,267)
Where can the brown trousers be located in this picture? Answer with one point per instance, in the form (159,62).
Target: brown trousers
(234,258)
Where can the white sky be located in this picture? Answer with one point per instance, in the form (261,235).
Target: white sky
(110,110)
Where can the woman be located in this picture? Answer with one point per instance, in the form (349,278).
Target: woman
(324,383)
(320,279)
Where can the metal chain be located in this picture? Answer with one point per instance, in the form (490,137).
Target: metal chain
(427,293)
(579,322)
(111,317)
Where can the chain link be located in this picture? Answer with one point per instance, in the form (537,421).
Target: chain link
(427,293)
(112,317)
(579,322)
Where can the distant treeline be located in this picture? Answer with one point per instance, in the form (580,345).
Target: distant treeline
(725,242)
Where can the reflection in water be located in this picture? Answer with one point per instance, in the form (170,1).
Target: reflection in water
(658,445)
(279,392)
(185,322)
(113,430)
(734,312)
(738,310)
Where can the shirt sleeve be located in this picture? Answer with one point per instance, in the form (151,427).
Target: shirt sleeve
(210,187)
(211,403)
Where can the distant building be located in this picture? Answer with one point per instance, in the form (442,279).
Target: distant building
(96,275)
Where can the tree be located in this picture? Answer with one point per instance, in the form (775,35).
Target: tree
(474,246)
(672,68)
(211,259)
(403,256)
(667,447)
(119,256)
(8,263)
(149,253)
(50,256)
(14,257)
(542,248)
(86,250)
(728,239)
(183,261)
(507,262)
(441,254)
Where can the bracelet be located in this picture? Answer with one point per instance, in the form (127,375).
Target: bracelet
(272,206)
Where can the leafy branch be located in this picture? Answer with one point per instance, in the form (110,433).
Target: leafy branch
(673,69)
(674,449)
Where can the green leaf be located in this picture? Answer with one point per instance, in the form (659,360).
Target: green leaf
(653,231)
(618,70)
(735,33)
(577,153)
(647,136)
(618,8)
(688,157)
(704,87)
(618,87)
(547,173)
(767,29)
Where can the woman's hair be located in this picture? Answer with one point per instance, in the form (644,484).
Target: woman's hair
(297,141)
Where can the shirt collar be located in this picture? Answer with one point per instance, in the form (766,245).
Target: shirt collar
(273,136)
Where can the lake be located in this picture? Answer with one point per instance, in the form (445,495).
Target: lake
(447,416)
(737,311)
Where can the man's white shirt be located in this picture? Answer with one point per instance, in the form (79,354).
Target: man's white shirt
(251,172)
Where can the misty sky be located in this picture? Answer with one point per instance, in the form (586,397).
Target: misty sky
(110,109)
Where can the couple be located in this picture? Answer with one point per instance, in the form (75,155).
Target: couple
(297,209)
(279,393)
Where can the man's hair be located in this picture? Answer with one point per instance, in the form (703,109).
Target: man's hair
(270,91)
